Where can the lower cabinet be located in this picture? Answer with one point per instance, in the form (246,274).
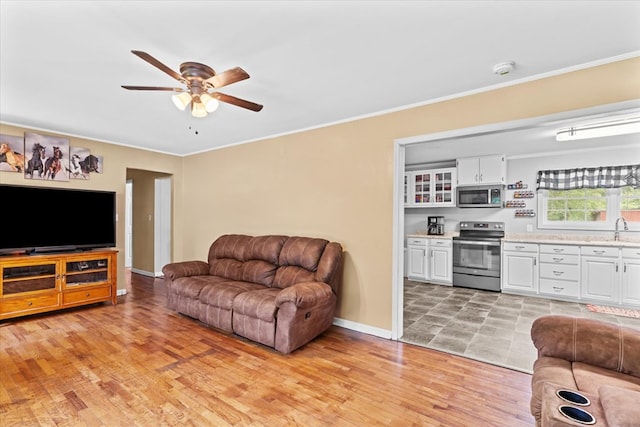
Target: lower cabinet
(430,260)
(418,266)
(589,274)
(441,262)
(520,267)
(600,273)
(560,270)
(31,284)
(631,276)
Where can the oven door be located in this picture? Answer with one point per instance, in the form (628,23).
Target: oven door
(478,257)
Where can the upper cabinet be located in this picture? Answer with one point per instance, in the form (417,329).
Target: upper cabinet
(430,188)
(481,170)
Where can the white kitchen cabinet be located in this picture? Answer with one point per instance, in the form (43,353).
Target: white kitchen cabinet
(481,170)
(600,274)
(430,260)
(520,267)
(631,276)
(408,194)
(418,260)
(560,271)
(431,188)
(441,261)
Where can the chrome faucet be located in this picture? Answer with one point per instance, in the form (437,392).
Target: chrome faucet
(616,235)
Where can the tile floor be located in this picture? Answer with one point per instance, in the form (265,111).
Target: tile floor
(489,326)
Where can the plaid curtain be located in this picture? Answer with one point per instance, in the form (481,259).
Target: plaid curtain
(602,177)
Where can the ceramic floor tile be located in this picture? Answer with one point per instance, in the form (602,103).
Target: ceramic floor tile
(484,325)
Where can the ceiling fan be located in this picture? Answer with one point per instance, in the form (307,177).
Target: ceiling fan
(201,83)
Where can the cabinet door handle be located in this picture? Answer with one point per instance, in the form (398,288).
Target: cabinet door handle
(519,247)
(29,303)
(558,250)
(557,289)
(598,252)
(558,259)
(558,273)
(88,294)
(481,177)
(624,269)
(476,177)
(535,262)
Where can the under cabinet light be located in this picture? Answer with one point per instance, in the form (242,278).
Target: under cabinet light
(613,126)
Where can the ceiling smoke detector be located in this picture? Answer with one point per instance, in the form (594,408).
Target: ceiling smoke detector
(503,68)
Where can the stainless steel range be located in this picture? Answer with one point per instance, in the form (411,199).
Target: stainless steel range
(476,255)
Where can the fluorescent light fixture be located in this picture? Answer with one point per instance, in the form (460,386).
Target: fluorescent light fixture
(620,125)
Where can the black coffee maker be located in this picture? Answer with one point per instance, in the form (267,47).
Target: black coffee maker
(435,225)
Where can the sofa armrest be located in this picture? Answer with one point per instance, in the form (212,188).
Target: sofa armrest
(588,341)
(304,295)
(185,268)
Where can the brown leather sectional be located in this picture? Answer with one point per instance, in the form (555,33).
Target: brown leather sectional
(280,291)
(599,360)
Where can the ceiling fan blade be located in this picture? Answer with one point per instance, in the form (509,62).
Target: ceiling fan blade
(227,77)
(168,89)
(153,61)
(237,101)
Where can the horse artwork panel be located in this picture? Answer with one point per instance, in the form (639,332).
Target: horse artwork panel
(49,157)
(77,170)
(12,153)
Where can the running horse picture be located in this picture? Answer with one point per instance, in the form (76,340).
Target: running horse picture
(49,157)
(11,157)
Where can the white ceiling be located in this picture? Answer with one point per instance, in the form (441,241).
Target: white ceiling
(311,63)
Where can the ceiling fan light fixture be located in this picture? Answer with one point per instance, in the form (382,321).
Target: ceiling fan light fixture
(210,103)
(181,100)
(198,109)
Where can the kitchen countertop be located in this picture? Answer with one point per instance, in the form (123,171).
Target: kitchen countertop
(566,239)
(554,239)
(424,235)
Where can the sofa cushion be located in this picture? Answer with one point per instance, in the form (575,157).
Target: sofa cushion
(590,377)
(302,252)
(620,406)
(290,275)
(257,271)
(265,248)
(222,293)
(260,304)
(192,286)
(226,255)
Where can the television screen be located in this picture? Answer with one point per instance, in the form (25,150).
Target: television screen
(44,219)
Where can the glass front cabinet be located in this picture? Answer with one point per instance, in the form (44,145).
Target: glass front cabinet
(430,188)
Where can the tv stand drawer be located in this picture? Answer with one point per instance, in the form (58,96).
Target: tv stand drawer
(84,296)
(28,305)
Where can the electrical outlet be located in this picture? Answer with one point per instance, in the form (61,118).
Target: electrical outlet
(529,228)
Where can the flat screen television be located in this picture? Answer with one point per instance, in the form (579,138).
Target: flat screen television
(47,219)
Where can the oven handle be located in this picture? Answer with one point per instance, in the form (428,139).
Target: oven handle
(476,242)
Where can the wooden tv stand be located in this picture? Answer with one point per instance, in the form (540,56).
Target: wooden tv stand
(31,284)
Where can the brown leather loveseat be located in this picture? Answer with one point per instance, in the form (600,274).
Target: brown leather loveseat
(598,359)
(279,291)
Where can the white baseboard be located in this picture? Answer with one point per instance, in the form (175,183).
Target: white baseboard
(121,292)
(360,327)
(143,272)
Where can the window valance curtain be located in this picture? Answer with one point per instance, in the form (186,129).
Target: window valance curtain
(601,177)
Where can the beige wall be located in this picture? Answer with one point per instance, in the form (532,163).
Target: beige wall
(337,182)
(116,161)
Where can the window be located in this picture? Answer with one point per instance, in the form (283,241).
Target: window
(590,199)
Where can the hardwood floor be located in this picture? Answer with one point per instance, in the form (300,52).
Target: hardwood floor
(139,364)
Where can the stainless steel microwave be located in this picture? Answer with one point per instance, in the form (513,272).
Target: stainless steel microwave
(481,196)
